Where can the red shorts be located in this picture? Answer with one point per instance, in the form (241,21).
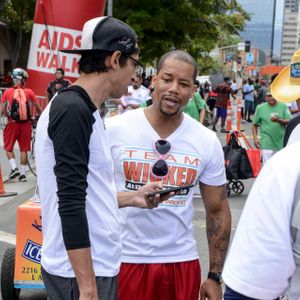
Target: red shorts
(169,281)
(20,132)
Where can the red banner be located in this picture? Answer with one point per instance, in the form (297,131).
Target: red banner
(57,25)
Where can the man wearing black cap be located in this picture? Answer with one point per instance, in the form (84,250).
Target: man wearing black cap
(81,227)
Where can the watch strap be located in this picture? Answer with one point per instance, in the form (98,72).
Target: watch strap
(215,276)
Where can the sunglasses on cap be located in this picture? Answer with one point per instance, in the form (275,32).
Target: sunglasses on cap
(160,168)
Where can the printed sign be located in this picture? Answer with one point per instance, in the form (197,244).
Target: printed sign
(183,170)
(28,245)
(32,251)
(295,70)
(44,55)
(57,25)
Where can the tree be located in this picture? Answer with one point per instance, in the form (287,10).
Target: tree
(161,25)
(193,25)
(18,18)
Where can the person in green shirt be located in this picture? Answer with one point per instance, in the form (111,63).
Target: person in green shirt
(272,118)
(196,107)
(146,103)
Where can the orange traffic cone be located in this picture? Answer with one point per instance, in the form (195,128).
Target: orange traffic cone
(228,121)
(2,192)
(239,114)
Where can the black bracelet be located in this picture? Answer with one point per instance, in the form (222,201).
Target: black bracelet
(215,276)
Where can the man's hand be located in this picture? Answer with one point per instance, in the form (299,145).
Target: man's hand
(210,290)
(139,198)
(257,143)
(274,118)
(89,294)
(142,200)
(81,260)
(134,106)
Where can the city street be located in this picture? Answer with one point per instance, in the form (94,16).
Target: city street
(231,58)
(8,207)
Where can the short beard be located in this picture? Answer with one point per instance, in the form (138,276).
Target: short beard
(169,114)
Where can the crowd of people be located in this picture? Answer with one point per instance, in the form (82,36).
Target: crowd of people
(105,236)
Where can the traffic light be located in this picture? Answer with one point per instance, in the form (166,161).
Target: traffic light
(247,46)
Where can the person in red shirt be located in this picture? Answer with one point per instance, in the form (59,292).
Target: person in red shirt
(16,106)
(223,90)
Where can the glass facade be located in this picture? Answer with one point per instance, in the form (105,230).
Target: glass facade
(265,28)
(292,5)
(278,28)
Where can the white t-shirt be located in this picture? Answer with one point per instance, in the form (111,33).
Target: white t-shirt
(260,261)
(136,96)
(293,106)
(164,234)
(246,89)
(234,86)
(101,204)
(295,135)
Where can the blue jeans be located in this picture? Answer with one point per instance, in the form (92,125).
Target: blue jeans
(249,106)
(233,295)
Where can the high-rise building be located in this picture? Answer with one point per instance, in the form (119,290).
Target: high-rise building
(292,5)
(291,30)
(266,25)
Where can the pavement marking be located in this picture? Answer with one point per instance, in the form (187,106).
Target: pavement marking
(7,238)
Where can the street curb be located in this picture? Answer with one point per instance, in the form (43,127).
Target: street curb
(20,188)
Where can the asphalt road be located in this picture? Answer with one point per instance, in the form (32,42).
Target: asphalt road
(8,220)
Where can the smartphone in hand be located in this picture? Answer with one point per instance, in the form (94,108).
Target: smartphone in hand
(176,189)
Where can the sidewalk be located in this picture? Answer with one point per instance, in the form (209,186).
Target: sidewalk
(13,185)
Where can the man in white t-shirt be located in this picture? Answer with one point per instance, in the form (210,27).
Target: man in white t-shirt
(264,257)
(159,255)
(136,95)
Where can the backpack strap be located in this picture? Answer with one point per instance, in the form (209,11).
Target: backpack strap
(19,95)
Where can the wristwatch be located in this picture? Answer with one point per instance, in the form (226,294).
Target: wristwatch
(215,276)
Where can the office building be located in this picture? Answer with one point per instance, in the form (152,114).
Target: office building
(292,5)
(291,30)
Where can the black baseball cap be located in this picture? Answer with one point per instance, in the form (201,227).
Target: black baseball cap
(106,34)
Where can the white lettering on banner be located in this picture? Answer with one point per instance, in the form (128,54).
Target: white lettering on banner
(45,58)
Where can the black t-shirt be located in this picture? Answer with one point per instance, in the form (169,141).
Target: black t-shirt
(289,128)
(57,85)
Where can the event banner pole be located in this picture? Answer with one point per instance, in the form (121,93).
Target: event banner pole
(57,25)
